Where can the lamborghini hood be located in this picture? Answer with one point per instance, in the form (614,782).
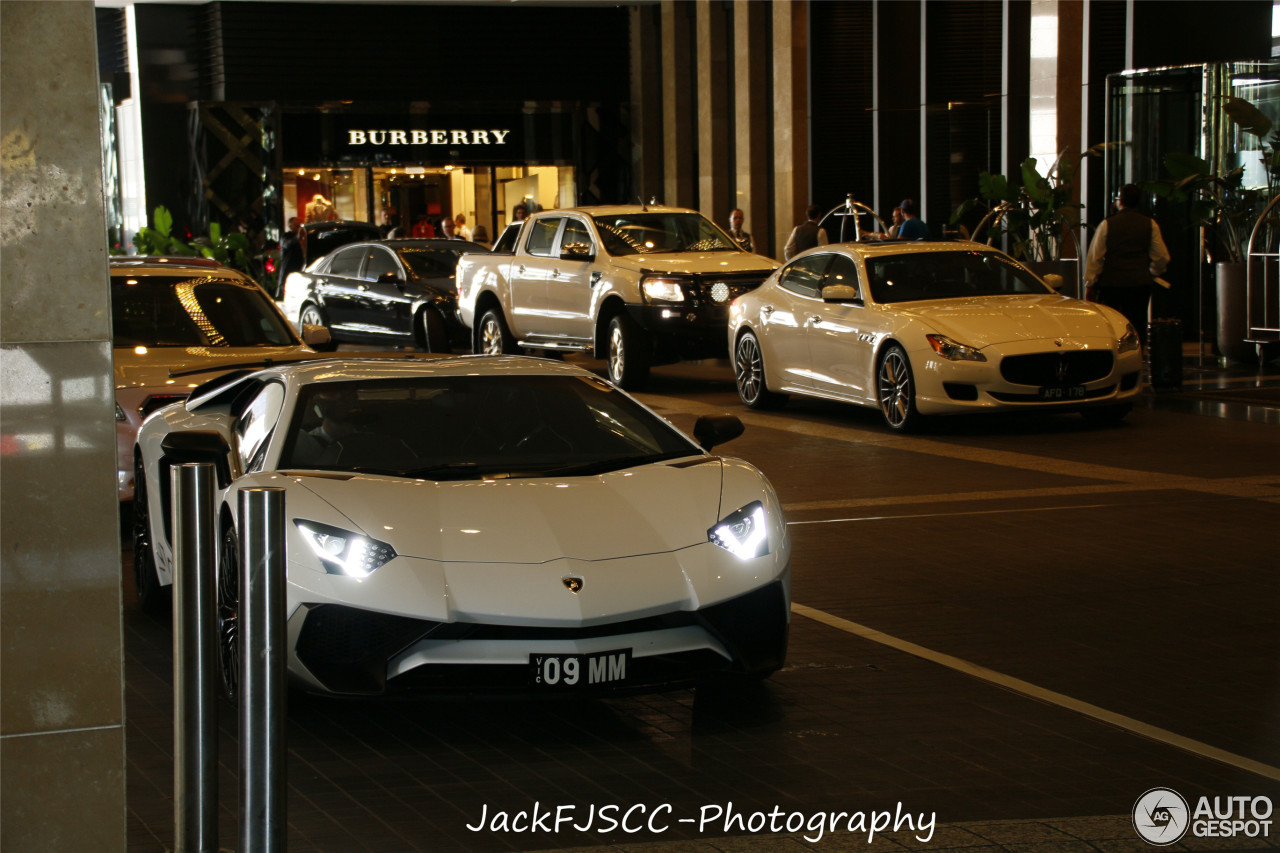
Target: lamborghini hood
(649,509)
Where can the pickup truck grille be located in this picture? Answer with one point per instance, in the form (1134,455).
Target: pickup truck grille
(723,289)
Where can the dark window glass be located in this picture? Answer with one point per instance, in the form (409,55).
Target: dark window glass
(542,236)
(805,275)
(506,244)
(842,271)
(654,233)
(176,311)
(466,427)
(346,263)
(575,234)
(947,275)
(430,262)
(379,262)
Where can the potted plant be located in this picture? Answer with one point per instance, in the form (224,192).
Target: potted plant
(1036,217)
(1228,210)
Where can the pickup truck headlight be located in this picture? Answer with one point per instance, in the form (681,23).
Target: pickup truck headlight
(343,552)
(743,533)
(663,289)
(954,350)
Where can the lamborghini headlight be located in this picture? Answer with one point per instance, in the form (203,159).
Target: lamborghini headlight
(743,533)
(663,289)
(342,552)
(954,350)
(1129,340)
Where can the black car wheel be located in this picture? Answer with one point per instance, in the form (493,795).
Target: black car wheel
(897,391)
(628,357)
(493,337)
(748,371)
(311,316)
(431,332)
(152,597)
(228,597)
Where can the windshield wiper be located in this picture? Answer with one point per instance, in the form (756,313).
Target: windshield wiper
(447,471)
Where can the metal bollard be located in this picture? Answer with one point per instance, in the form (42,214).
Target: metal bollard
(195,731)
(262,671)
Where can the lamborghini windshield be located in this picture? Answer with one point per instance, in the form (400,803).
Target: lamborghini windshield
(651,233)
(916,276)
(470,427)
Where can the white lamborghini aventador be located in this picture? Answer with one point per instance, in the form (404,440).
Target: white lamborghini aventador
(478,523)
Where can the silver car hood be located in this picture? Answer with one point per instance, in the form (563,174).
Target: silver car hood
(645,510)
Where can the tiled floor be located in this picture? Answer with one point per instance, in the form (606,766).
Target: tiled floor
(854,725)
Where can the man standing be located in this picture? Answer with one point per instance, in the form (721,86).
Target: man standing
(450,229)
(912,227)
(806,235)
(1126,254)
(742,238)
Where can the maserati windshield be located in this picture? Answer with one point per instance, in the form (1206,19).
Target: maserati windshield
(179,311)
(916,276)
(471,427)
(661,233)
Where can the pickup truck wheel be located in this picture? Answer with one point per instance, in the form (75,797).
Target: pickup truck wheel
(493,337)
(431,332)
(628,355)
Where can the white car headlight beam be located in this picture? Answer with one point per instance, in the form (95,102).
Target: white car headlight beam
(660,289)
(743,533)
(343,552)
(954,350)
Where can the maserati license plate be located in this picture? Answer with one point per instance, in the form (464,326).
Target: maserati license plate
(1062,392)
(559,671)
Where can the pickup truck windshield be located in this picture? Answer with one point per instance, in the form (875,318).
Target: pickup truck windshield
(661,233)
(473,427)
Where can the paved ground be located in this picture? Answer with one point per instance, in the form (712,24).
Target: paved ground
(1008,629)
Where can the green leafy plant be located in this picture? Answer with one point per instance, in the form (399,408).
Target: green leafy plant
(1221,202)
(1033,215)
(158,239)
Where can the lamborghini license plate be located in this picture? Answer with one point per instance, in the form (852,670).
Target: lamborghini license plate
(560,671)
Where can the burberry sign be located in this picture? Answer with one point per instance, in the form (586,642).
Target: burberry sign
(427,137)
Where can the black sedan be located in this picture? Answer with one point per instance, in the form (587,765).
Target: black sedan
(385,291)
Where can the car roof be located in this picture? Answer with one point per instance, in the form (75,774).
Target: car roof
(349,367)
(164,265)
(616,209)
(418,243)
(337,224)
(881,248)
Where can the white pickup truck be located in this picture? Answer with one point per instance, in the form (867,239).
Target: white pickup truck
(633,284)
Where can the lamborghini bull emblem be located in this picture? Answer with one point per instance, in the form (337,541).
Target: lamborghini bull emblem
(571,583)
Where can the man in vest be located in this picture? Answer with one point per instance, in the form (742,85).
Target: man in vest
(806,235)
(1126,254)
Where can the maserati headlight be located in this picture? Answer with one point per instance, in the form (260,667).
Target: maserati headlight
(954,350)
(662,289)
(743,533)
(342,552)
(1129,340)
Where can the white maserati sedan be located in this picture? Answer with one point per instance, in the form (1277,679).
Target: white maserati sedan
(480,523)
(918,329)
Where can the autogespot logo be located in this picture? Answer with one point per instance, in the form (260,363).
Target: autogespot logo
(1161,816)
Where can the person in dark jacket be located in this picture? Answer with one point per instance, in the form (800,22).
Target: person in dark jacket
(1126,254)
(806,235)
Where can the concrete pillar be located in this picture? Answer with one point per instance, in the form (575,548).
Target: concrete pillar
(715,198)
(790,118)
(646,103)
(752,111)
(679,133)
(62,695)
